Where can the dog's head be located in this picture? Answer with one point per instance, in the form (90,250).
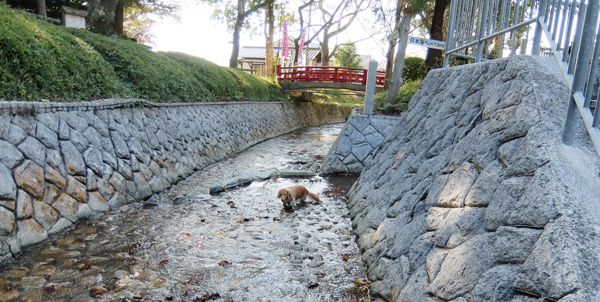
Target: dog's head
(284,195)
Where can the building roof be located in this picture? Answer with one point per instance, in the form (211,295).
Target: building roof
(258,52)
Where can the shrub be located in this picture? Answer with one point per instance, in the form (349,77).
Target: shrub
(399,104)
(42,61)
(39,60)
(414,69)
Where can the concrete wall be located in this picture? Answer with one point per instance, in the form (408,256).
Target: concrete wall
(353,147)
(60,162)
(473,197)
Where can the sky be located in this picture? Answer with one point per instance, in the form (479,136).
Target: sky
(198,35)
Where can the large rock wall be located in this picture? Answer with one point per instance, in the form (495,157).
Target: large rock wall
(60,162)
(360,136)
(473,197)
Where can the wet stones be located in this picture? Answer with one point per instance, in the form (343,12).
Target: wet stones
(30,232)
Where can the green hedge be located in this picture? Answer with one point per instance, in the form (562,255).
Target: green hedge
(404,95)
(41,61)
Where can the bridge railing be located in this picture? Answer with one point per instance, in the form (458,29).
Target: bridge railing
(327,74)
(477,29)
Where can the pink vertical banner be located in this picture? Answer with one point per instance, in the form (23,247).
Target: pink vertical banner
(285,49)
(301,46)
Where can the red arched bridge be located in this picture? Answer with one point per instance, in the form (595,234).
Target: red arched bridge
(301,78)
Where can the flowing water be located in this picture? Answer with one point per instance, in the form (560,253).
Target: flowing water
(187,245)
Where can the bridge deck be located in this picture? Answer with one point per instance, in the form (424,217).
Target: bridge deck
(324,77)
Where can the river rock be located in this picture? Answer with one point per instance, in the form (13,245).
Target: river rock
(93,159)
(75,122)
(30,177)
(117,201)
(143,188)
(46,136)
(7,221)
(54,177)
(24,207)
(30,232)
(76,189)
(44,214)
(15,135)
(72,158)
(97,202)
(8,190)
(51,193)
(59,226)
(10,156)
(67,206)
(34,150)
(105,188)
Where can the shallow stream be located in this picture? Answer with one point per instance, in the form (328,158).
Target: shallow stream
(187,245)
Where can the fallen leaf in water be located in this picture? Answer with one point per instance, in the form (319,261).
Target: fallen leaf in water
(164,262)
(224,262)
(129,259)
(85,266)
(362,282)
(99,290)
(188,234)
(50,288)
(47,277)
(335,222)
(169,298)
(213,296)
(319,229)
(345,257)
(313,284)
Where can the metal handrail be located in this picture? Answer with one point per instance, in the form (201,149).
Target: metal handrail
(576,54)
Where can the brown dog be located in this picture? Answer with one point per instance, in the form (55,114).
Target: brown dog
(292,195)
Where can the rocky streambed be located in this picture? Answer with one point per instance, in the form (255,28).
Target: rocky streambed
(188,245)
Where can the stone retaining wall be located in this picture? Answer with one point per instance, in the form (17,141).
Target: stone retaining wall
(353,147)
(473,197)
(60,162)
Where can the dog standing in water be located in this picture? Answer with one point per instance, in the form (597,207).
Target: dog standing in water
(293,195)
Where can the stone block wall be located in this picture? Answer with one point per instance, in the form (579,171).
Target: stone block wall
(60,162)
(353,147)
(473,197)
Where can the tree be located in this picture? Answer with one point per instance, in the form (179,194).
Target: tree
(269,32)
(334,24)
(346,56)
(236,17)
(390,17)
(111,16)
(436,32)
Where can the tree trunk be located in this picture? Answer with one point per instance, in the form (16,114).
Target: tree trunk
(270,23)
(389,66)
(118,28)
(233,61)
(434,56)
(325,50)
(399,64)
(41,8)
(391,49)
(101,16)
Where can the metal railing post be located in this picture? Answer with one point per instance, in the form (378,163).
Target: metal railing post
(482,27)
(453,6)
(583,63)
(569,30)
(578,35)
(370,90)
(537,36)
(593,74)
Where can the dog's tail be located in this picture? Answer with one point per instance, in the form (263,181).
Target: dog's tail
(314,197)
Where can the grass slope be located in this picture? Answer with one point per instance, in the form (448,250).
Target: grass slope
(41,61)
